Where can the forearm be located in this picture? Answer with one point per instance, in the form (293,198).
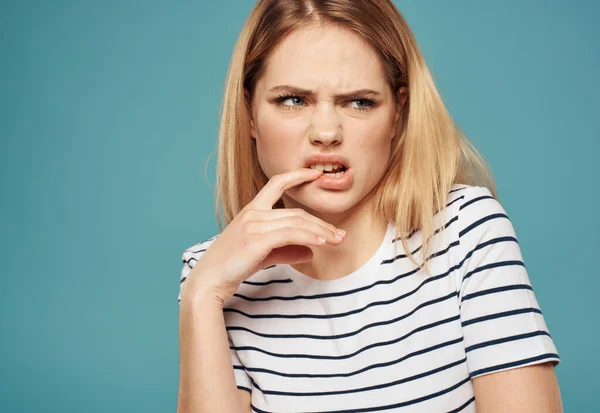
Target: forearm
(206,378)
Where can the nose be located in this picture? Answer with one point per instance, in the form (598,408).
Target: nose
(325,128)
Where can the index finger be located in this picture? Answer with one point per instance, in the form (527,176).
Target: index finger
(278,184)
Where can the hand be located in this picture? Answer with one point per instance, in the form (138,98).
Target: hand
(260,236)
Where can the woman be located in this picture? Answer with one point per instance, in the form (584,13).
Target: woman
(365,264)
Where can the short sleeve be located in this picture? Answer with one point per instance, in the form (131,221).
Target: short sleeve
(503,325)
(189,258)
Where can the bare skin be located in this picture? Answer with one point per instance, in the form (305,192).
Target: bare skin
(287,130)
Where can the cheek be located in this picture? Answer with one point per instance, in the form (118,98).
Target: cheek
(278,143)
(372,139)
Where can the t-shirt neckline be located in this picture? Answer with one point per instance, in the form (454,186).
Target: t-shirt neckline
(355,279)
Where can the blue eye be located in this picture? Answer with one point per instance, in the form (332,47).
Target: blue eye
(283,98)
(365,104)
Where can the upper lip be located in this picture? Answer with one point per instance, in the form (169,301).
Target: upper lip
(325,160)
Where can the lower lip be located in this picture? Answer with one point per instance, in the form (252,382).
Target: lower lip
(330,182)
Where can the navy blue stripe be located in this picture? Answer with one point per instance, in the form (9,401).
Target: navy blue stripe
(244,388)
(349,334)
(471,201)
(453,219)
(496,290)
(195,252)
(498,264)
(515,364)
(485,244)
(436,254)
(454,200)
(350,355)
(458,189)
(390,406)
(368,388)
(506,340)
(283,280)
(481,221)
(461,408)
(500,315)
(356,372)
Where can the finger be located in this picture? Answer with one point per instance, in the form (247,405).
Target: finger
(290,254)
(281,237)
(291,212)
(278,184)
(294,222)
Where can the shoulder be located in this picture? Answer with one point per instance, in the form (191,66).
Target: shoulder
(484,234)
(462,195)
(476,209)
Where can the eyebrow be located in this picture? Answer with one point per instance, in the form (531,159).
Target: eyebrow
(300,91)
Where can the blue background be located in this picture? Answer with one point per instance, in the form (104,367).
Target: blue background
(109,115)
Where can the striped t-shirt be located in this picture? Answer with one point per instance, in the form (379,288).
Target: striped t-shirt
(387,337)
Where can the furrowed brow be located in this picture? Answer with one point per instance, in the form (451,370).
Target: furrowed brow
(305,92)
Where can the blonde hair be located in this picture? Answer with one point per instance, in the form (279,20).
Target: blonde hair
(429,152)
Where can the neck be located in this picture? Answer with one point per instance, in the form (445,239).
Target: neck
(364,234)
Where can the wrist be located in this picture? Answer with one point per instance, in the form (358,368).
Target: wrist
(201,296)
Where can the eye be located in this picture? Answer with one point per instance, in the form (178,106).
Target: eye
(365,104)
(283,98)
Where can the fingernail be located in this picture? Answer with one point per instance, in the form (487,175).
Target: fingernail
(339,233)
(315,171)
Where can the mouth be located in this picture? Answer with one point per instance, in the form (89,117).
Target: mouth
(332,165)
(332,170)
(337,174)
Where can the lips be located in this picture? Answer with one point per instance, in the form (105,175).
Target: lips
(322,159)
(335,181)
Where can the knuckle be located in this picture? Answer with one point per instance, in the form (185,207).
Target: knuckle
(247,216)
(276,179)
(279,182)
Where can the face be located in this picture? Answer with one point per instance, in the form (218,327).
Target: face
(327,116)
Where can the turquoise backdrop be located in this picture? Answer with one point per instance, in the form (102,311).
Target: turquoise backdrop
(108,117)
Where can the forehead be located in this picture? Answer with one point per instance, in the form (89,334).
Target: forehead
(324,57)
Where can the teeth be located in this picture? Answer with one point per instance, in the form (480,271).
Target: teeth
(326,167)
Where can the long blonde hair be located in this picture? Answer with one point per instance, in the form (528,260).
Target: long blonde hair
(429,152)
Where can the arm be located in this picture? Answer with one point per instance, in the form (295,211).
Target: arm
(510,353)
(206,378)
(531,389)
